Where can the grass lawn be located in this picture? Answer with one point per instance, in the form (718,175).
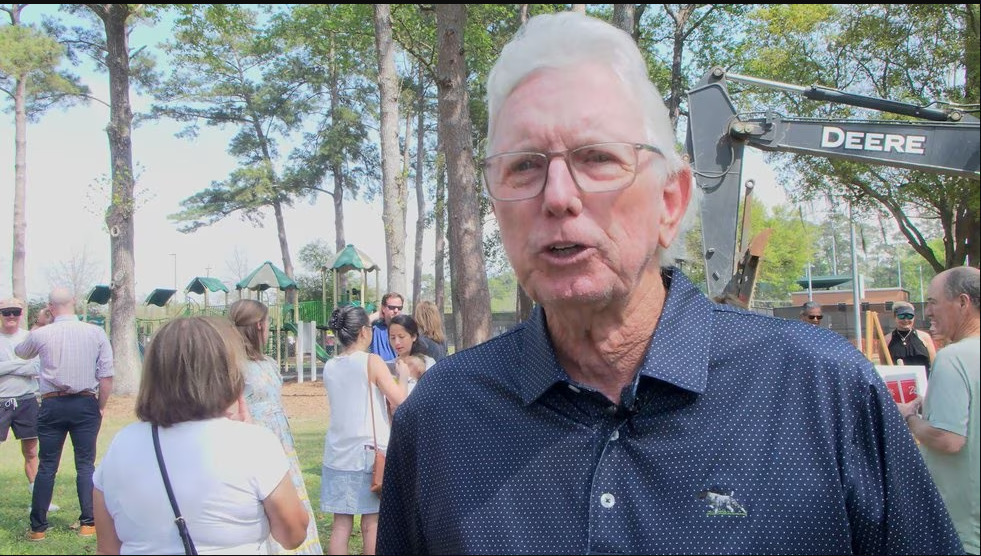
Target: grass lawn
(305,404)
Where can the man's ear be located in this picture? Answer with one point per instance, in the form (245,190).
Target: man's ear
(675,196)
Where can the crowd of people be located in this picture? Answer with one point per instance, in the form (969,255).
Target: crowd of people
(628,414)
(210,398)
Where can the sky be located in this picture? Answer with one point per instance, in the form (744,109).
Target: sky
(67,193)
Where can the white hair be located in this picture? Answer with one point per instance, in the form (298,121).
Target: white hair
(566,39)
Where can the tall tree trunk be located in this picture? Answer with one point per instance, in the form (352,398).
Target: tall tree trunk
(972,52)
(623,17)
(18,276)
(680,16)
(339,238)
(394,191)
(471,298)
(119,217)
(972,88)
(337,170)
(420,193)
(522,302)
(291,295)
(420,215)
(439,207)
(524,306)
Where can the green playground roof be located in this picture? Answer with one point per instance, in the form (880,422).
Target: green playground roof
(202,283)
(265,277)
(824,282)
(159,297)
(352,258)
(99,294)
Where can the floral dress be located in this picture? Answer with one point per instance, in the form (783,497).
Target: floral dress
(263,390)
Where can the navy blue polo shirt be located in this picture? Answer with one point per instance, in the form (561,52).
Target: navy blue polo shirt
(742,433)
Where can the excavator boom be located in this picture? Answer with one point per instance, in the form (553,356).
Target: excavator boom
(944,142)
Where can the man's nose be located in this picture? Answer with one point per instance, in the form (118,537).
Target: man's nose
(561,194)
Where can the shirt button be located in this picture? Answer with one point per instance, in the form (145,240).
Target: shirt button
(607,500)
(611,409)
(615,435)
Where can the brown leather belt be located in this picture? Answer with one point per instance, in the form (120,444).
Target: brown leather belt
(65,393)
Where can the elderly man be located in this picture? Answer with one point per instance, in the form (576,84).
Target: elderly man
(18,388)
(811,312)
(630,414)
(948,429)
(75,385)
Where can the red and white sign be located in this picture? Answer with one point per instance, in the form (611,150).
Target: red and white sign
(905,382)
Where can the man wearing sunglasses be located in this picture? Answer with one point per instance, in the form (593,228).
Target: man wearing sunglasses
(811,312)
(392,304)
(907,345)
(18,387)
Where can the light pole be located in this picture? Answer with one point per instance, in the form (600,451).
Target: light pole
(921,284)
(899,266)
(174,255)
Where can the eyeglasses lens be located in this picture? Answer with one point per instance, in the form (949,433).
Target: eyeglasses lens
(515,176)
(905,316)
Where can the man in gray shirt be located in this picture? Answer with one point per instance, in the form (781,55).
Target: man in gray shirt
(18,387)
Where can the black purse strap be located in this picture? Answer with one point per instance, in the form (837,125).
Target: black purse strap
(178,518)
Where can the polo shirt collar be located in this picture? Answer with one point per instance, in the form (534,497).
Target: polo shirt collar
(677,354)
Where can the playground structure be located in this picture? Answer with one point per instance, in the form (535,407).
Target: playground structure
(298,331)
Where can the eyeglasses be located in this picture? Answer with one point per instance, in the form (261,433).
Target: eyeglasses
(905,316)
(393,307)
(597,168)
(10,312)
(815,317)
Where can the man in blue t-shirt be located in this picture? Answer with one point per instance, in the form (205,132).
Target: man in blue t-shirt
(391,305)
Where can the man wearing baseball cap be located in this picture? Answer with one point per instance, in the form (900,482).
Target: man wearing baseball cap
(907,345)
(18,388)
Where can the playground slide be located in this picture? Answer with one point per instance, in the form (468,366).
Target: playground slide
(321,352)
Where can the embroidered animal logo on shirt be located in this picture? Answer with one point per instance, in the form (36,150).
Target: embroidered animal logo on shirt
(722,504)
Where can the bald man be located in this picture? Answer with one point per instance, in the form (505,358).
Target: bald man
(75,385)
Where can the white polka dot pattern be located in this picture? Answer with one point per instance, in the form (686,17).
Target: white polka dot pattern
(743,434)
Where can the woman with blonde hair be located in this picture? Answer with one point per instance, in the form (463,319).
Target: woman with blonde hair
(431,335)
(263,397)
(230,478)
(359,387)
